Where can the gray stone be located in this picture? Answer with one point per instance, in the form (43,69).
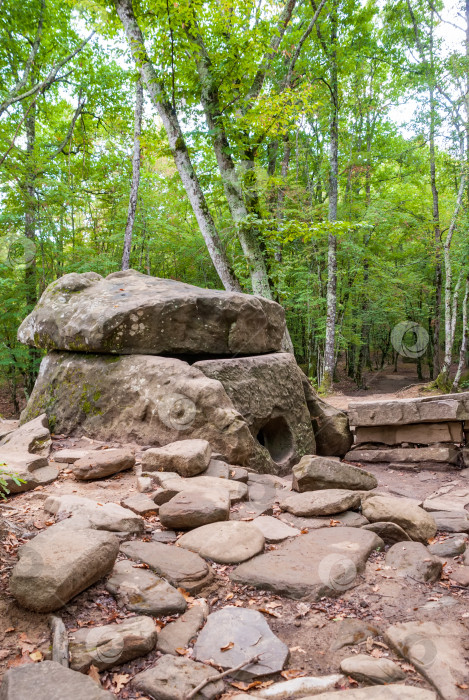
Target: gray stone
(325,502)
(144,484)
(144,398)
(346,519)
(438,454)
(165,536)
(139,503)
(320,563)
(219,469)
(391,692)
(367,669)
(225,542)
(178,634)
(70,456)
(110,645)
(50,681)
(250,510)
(274,530)
(129,312)
(450,547)
(430,409)
(451,521)
(54,567)
(331,427)
(448,498)
(33,437)
(29,471)
(300,687)
(414,560)
(350,632)
(101,516)
(418,524)
(237,490)
(390,533)
(102,463)
(238,473)
(185,457)
(141,591)
(268,392)
(233,635)
(7,426)
(436,652)
(195,508)
(181,568)
(314,473)
(419,433)
(174,677)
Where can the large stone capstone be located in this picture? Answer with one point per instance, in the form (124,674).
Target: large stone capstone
(132,313)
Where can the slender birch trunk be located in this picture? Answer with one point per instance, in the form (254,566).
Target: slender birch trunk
(177,144)
(331,294)
(136,160)
(463,350)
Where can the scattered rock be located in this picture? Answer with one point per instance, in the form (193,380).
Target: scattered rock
(129,312)
(226,542)
(413,559)
(195,508)
(48,681)
(250,510)
(141,591)
(70,456)
(233,635)
(110,645)
(390,533)
(238,473)
(29,470)
(450,547)
(144,484)
(177,635)
(139,503)
(101,516)
(350,632)
(186,457)
(237,490)
(297,687)
(367,669)
(274,530)
(418,524)
(346,519)
(321,563)
(451,522)
(7,426)
(54,567)
(102,463)
(435,651)
(313,473)
(391,692)
(325,502)
(219,469)
(33,437)
(165,536)
(448,498)
(181,568)
(174,677)
(460,575)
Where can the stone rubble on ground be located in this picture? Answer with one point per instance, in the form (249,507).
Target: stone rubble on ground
(102,463)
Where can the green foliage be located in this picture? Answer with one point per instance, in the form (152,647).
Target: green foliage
(4,476)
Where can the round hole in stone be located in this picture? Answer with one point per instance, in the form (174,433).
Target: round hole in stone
(277,438)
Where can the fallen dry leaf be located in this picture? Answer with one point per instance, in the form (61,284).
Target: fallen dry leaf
(228,646)
(119,680)
(36,656)
(94,674)
(292,673)
(269,612)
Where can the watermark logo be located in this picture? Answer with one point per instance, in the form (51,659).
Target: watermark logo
(104,651)
(337,572)
(176,411)
(17,251)
(421,650)
(409,339)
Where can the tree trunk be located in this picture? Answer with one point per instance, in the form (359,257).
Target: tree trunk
(136,159)
(462,352)
(177,144)
(331,296)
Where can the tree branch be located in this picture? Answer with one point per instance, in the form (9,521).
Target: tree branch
(306,34)
(219,676)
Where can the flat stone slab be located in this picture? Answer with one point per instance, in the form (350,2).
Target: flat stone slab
(412,559)
(418,524)
(101,516)
(33,436)
(451,521)
(185,457)
(70,456)
(407,455)
(324,502)
(346,519)
(436,651)
(54,567)
(236,489)
(448,498)
(191,509)
(139,503)
(102,463)
(451,547)
(390,533)
(274,530)
(109,645)
(29,470)
(313,473)
(178,634)
(226,542)
(430,409)
(222,470)
(418,433)
(174,677)
(144,592)
(132,313)
(367,669)
(50,681)
(233,635)
(320,563)
(181,568)
(8,426)
(392,692)
(300,687)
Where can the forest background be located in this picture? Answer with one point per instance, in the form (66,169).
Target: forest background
(312,151)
